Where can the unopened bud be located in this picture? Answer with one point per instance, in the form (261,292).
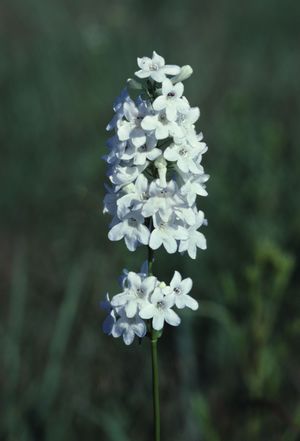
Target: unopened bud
(184,74)
(161,165)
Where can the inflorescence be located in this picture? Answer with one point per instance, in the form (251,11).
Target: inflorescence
(155,171)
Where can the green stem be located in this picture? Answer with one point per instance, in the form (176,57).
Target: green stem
(154,335)
(155,387)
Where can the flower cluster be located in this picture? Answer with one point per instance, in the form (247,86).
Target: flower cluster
(143,298)
(154,163)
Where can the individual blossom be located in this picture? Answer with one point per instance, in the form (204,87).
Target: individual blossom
(185,155)
(180,289)
(136,294)
(161,199)
(131,227)
(160,308)
(128,328)
(170,100)
(166,234)
(162,127)
(155,68)
(195,239)
(130,128)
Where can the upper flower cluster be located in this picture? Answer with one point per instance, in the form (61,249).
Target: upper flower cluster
(142,298)
(154,163)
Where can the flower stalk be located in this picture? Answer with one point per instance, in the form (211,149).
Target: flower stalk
(154,165)
(155,385)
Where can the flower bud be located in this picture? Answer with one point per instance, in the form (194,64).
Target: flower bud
(184,74)
(161,165)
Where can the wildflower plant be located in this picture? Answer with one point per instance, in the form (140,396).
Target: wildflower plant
(155,173)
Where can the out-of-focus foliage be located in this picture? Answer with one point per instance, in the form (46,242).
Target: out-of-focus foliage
(230,372)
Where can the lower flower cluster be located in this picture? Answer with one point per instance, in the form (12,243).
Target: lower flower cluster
(145,300)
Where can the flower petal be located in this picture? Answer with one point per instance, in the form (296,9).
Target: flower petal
(158,321)
(172,318)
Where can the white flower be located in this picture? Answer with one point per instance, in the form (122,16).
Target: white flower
(194,185)
(171,100)
(161,199)
(185,155)
(128,328)
(194,239)
(132,229)
(163,128)
(131,127)
(123,174)
(136,295)
(181,288)
(187,118)
(166,234)
(155,68)
(134,198)
(160,309)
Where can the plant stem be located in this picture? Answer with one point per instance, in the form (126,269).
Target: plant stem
(155,387)
(154,335)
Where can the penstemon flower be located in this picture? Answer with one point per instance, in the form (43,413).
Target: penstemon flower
(156,175)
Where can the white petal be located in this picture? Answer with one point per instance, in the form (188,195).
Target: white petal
(161,132)
(128,336)
(149,284)
(171,112)
(171,154)
(147,312)
(134,280)
(186,285)
(171,69)
(124,131)
(200,240)
(179,89)
(176,279)
(143,234)
(158,59)
(131,308)
(191,303)
(169,243)
(171,317)
(158,75)
(149,123)
(167,86)
(155,240)
(131,242)
(117,232)
(159,103)
(142,74)
(140,328)
(158,321)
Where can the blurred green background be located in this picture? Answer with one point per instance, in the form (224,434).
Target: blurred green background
(231,372)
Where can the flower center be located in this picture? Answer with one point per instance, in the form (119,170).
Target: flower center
(160,305)
(154,66)
(183,152)
(163,119)
(140,292)
(171,94)
(177,290)
(132,222)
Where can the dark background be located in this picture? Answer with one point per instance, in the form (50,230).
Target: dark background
(231,371)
